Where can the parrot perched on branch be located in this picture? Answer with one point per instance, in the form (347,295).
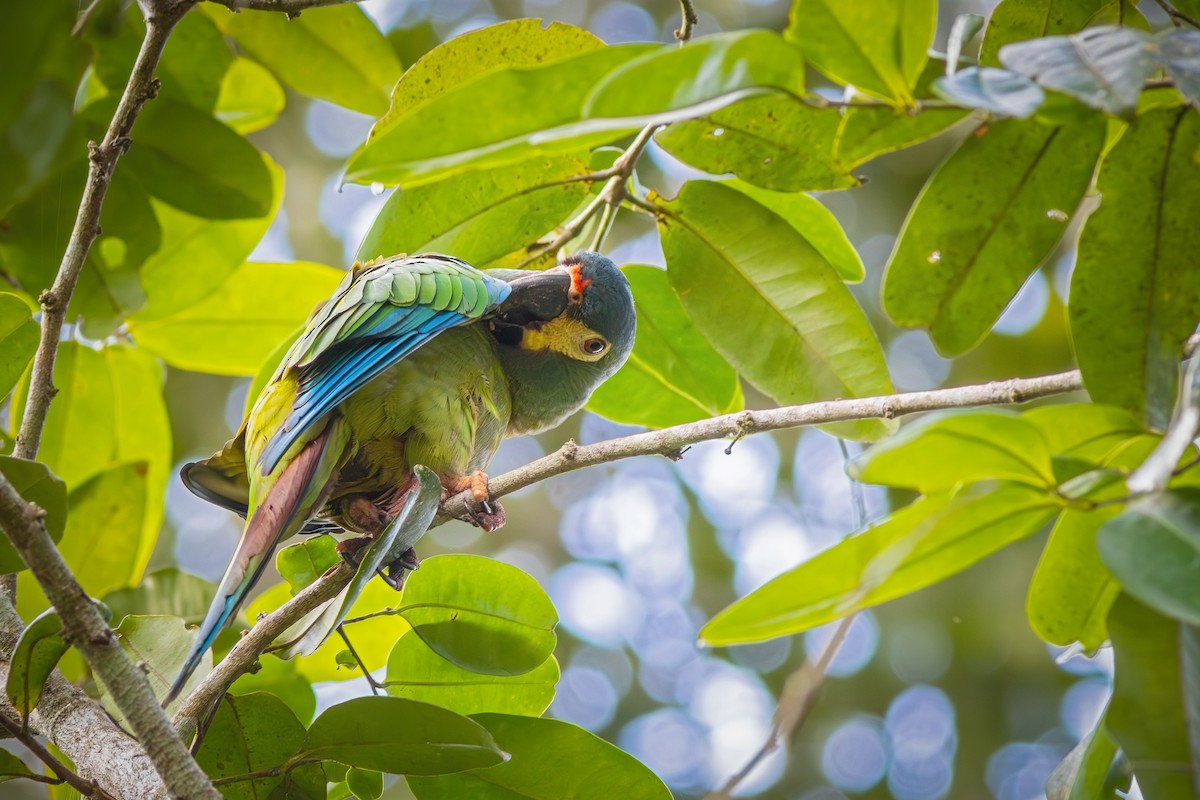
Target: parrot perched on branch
(413,360)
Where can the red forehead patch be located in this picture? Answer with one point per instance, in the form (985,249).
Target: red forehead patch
(578,282)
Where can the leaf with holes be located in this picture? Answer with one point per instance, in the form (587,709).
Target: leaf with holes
(976,232)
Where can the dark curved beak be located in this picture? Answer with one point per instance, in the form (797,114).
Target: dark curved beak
(540,296)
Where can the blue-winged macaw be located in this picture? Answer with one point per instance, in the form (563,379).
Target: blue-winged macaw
(413,360)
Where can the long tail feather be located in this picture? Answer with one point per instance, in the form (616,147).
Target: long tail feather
(282,513)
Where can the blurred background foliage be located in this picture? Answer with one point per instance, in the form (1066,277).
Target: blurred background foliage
(944,693)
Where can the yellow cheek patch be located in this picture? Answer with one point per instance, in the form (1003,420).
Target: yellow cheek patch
(561,335)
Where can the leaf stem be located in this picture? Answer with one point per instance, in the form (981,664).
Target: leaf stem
(62,773)
(687,12)
(1177,16)
(362,665)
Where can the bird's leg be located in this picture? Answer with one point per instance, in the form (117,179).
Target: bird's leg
(488,515)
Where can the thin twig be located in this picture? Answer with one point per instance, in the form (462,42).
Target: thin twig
(62,773)
(362,665)
(689,20)
(265,773)
(1176,15)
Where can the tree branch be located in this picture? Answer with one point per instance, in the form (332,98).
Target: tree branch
(1176,15)
(688,21)
(670,441)
(161,17)
(290,7)
(60,770)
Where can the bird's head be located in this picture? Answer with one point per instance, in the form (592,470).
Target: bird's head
(565,331)
(581,309)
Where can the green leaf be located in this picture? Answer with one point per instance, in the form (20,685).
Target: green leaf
(392,734)
(1084,430)
(11,766)
(232,330)
(1071,591)
(1146,714)
(801,336)
(281,679)
(941,452)
(250,98)
(335,54)
(103,540)
(1153,549)
(166,591)
(190,160)
(550,96)
(199,254)
(39,141)
(816,223)
(35,34)
(162,643)
(1134,298)
(19,336)
(976,233)
(879,48)
(1018,20)
(37,652)
(1080,776)
(710,72)
(460,59)
(479,216)
(673,375)
(418,673)
(1102,67)
(249,733)
(79,437)
(36,484)
(549,760)
(773,141)
(931,539)
(995,90)
(480,614)
(870,132)
(365,784)
(301,564)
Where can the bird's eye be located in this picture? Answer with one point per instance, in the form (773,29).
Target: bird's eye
(594,347)
(575,296)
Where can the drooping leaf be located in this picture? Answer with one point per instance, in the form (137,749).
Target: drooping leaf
(36,484)
(1071,591)
(250,98)
(103,540)
(585,766)
(925,542)
(800,335)
(773,141)
(199,254)
(1084,430)
(1153,548)
(550,97)
(364,784)
(995,90)
(1134,299)
(335,54)
(512,43)
(673,375)
(19,336)
(232,330)
(418,673)
(11,766)
(188,159)
(976,232)
(249,733)
(479,216)
(392,734)
(480,614)
(816,223)
(879,48)
(162,643)
(37,652)
(941,452)
(1103,67)
(1146,714)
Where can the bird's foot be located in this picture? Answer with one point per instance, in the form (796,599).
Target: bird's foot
(349,549)
(485,513)
(399,569)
